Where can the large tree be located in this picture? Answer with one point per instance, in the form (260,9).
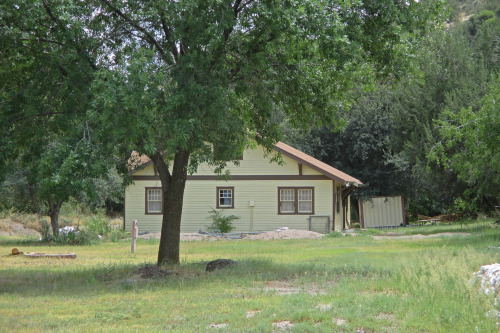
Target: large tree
(363,148)
(48,59)
(471,148)
(186,82)
(196,78)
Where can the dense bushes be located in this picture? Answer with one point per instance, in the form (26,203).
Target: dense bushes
(95,229)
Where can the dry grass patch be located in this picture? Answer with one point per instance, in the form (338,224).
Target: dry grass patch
(292,286)
(251,313)
(223,325)
(385,316)
(284,287)
(11,228)
(283,325)
(383,292)
(339,321)
(420,236)
(323,307)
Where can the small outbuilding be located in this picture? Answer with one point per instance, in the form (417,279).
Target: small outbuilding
(382,212)
(303,193)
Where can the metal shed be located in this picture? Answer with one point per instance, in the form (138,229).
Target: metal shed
(379,212)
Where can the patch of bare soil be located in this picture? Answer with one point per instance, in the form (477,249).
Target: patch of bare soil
(286,234)
(420,236)
(324,307)
(276,234)
(252,313)
(184,237)
(217,325)
(11,228)
(385,316)
(339,321)
(289,287)
(281,287)
(283,325)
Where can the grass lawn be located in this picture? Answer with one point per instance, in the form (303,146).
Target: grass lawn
(326,285)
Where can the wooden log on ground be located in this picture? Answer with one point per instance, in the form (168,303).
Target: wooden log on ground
(43,255)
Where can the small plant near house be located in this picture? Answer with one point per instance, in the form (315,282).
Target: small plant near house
(221,223)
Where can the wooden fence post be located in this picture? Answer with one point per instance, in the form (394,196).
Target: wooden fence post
(135,232)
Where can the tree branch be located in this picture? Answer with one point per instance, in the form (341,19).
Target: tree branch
(38,115)
(42,40)
(63,71)
(150,37)
(166,30)
(49,12)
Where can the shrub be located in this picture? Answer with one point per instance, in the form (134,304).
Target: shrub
(485,15)
(221,223)
(70,237)
(83,236)
(86,236)
(99,224)
(45,230)
(117,234)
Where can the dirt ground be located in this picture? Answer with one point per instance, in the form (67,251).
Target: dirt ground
(420,236)
(286,234)
(11,228)
(281,234)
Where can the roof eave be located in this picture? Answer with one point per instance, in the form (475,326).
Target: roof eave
(312,166)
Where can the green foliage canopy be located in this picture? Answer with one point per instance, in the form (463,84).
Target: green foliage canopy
(471,147)
(48,60)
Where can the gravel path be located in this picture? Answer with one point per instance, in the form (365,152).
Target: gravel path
(276,234)
(420,236)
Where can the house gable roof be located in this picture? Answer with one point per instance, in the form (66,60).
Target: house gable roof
(315,164)
(139,162)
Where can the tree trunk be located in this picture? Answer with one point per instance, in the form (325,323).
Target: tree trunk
(54,208)
(173,197)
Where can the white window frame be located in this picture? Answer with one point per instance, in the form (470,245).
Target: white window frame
(296,200)
(159,191)
(230,190)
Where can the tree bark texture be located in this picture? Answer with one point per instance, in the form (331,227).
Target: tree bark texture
(173,195)
(54,208)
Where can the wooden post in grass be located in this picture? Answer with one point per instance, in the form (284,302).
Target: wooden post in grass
(135,232)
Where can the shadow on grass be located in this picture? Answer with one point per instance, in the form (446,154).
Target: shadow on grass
(74,281)
(16,241)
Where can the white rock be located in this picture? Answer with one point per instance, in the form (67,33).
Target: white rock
(490,278)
